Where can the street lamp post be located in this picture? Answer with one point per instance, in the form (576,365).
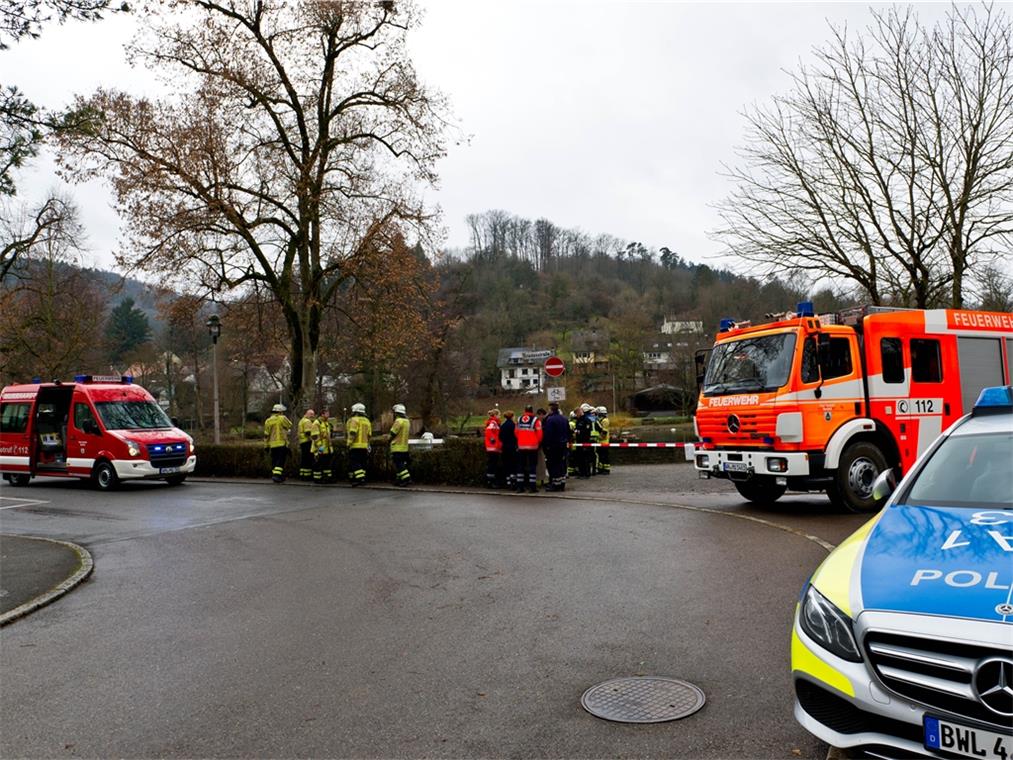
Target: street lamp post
(214,325)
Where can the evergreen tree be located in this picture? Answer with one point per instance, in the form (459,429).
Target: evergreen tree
(127,329)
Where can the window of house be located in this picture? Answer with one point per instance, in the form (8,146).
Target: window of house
(890,353)
(926,362)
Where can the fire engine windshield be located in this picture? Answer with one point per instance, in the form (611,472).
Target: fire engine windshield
(132,415)
(750,364)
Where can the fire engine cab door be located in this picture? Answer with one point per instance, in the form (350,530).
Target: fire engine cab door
(831,395)
(85,438)
(933,400)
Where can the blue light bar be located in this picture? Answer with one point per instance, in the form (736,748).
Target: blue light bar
(726,324)
(994,400)
(805,309)
(81,378)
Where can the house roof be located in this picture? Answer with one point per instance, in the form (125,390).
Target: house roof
(522,357)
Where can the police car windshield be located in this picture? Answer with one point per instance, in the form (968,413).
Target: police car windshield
(967,470)
(750,364)
(132,415)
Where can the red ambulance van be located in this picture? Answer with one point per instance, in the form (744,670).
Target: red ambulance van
(102,428)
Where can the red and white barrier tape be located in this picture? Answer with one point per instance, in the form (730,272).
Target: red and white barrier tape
(625,445)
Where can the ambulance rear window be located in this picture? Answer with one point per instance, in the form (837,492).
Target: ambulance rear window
(14,417)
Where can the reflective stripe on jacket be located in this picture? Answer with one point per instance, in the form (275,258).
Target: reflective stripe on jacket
(323,442)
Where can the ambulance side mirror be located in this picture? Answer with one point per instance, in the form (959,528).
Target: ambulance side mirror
(884,485)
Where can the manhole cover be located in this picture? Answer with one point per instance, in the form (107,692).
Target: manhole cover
(649,699)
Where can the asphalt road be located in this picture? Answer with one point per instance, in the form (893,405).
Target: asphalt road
(228,619)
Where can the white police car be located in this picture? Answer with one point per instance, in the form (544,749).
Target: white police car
(903,638)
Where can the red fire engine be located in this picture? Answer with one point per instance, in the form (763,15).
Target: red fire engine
(827,402)
(103,428)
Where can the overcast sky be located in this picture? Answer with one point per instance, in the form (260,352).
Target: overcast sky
(608,117)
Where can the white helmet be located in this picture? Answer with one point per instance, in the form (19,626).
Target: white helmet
(358,408)
(572,414)
(586,407)
(601,410)
(398,409)
(278,408)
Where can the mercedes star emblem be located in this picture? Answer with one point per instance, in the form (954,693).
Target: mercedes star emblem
(993,684)
(733,423)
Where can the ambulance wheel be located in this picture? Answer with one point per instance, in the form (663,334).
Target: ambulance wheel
(104,477)
(175,480)
(760,490)
(858,469)
(17,480)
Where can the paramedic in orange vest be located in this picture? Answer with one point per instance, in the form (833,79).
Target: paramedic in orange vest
(529,440)
(493,449)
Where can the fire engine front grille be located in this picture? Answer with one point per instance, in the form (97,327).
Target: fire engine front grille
(752,427)
(935,673)
(167,454)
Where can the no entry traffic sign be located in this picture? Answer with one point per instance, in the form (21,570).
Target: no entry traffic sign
(554,366)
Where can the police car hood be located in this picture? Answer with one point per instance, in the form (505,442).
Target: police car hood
(948,561)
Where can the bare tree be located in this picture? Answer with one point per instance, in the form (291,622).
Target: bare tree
(890,162)
(53,227)
(289,149)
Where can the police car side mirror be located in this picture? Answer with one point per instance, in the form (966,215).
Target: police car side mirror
(884,485)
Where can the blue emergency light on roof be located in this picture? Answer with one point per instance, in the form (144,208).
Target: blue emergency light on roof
(805,309)
(726,324)
(995,400)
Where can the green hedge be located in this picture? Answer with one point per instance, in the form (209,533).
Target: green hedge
(457,462)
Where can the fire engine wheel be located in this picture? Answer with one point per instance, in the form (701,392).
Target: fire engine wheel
(104,476)
(17,480)
(760,490)
(851,489)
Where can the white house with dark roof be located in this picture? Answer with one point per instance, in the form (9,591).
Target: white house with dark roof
(521,369)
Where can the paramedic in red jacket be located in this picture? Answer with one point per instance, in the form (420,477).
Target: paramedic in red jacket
(493,449)
(529,440)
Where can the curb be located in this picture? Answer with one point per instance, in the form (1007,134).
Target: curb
(85,566)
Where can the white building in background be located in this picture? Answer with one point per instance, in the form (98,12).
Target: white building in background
(521,369)
(671,326)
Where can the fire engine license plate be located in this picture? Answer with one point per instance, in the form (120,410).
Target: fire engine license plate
(736,467)
(966,741)
(167,470)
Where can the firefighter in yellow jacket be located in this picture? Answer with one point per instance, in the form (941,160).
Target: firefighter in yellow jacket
(357,433)
(276,431)
(323,450)
(306,445)
(399,445)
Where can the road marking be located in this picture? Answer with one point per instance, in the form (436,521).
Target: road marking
(20,502)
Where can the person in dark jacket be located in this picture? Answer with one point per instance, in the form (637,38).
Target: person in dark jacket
(582,434)
(555,440)
(508,439)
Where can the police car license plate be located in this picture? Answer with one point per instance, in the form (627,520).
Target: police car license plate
(966,741)
(167,470)
(736,467)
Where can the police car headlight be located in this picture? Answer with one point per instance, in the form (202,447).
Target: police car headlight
(133,448)
(828,626)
